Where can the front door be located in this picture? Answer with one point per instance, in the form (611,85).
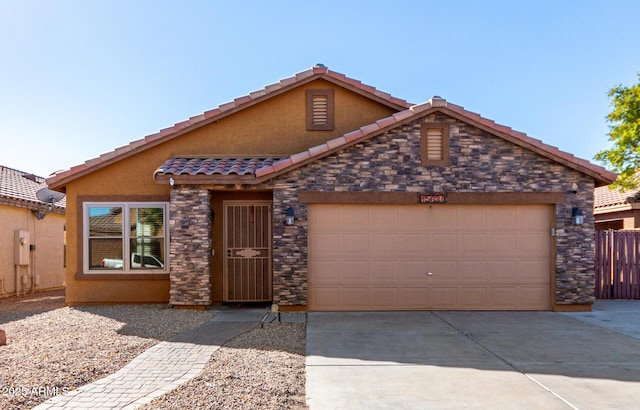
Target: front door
(247,251)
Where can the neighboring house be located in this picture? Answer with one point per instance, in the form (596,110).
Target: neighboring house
(617,210)
(322,193)
(39,264)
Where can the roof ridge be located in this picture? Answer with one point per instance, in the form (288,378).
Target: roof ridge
(22,172)
(435,103)
(237,103)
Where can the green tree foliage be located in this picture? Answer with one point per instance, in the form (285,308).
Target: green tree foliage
(624,120)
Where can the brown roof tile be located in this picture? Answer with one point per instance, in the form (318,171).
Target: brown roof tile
(21,187)
(213,166)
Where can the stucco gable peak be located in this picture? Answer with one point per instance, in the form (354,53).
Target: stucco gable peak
(60,178)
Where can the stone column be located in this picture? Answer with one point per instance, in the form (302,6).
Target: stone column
(190,249)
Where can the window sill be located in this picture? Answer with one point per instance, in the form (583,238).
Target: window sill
(122,276)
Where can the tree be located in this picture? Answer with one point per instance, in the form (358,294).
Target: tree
(624,120)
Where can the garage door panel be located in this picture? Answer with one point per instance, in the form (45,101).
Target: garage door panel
(324,298)
(412,219)
(502,218)
(442,244)
(469,257)
(533,218)
(354,245)
(384,298)
(412,245)
(384,271)
(325,245)
(500,245)
(503,297)
(353,271)
(414,271)
(501,271)
(533,271)
(326,221)
(472,244)
(473,271)
(443,271)
(534,297)
(472,298)
(325,272)
(354,297)
(472,219)
(413,297)
(383,219)
(442,218)
(531,245)
(384,244)
(442,297)
(353,218)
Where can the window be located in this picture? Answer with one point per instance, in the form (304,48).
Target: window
(319,110)
(125,237)
(434,144)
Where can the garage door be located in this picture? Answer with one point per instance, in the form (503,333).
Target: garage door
(410,257)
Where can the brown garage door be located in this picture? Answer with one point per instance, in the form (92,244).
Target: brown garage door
(403,257)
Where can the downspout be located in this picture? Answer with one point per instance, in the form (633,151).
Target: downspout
(32,254)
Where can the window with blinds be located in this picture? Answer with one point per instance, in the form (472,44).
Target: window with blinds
(434,143)
(319,110)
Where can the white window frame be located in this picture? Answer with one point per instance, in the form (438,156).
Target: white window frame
(126,237)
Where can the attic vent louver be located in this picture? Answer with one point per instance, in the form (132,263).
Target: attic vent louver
(434,143)
(319,110)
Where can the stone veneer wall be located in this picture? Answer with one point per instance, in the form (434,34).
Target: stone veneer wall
(479,162)
(190,226)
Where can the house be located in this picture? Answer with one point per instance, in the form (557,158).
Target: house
(32,249)
(614,209)
(319,192)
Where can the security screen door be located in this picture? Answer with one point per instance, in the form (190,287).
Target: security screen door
(247,251)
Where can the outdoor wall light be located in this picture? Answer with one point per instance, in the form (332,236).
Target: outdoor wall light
(577,217)
(289,217)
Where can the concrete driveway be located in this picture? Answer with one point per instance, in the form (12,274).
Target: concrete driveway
(453,360)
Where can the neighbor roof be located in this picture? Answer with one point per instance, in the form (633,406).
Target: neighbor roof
(19,189)
(319,71)
(607,198)
(436,104)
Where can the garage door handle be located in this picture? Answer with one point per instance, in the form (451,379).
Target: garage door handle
(430,273)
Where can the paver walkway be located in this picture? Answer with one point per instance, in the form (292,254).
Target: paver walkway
(162,368)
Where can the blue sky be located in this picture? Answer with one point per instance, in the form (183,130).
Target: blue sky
(79,78)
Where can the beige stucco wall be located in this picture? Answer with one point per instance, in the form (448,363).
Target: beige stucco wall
(275,127)
(46,261)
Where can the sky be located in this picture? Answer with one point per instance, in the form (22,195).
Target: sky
(79,78)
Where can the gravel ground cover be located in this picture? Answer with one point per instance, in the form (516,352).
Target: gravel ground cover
(52,348)
(261,369)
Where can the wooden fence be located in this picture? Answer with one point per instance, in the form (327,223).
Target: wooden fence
(617,264)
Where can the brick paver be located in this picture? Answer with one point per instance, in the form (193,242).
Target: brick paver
(161,368)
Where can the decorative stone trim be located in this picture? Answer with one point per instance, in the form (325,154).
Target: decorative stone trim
(190,246)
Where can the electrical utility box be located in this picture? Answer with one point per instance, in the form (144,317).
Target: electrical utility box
(21,246)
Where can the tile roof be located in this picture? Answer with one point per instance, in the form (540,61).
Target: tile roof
(606,197)
(19,188)
(59,179)
(213,166)
(437,104)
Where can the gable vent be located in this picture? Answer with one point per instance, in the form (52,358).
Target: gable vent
(434,144)
(319,110)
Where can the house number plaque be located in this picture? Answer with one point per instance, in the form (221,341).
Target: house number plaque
(432,198)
